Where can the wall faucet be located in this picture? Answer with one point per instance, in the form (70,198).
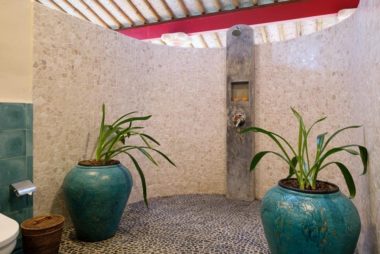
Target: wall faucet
(238,119)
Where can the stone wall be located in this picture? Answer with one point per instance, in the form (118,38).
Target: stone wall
(79,66)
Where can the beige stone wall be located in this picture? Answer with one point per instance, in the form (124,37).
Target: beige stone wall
(16,26)
(79,66)
(365,80)
(314,74)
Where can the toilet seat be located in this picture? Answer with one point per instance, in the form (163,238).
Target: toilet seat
(9,229)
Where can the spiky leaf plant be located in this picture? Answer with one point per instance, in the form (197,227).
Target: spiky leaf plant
(299,159)
(112,141)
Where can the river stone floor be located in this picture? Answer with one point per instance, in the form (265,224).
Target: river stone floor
(182,224)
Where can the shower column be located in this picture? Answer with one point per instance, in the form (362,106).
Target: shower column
(240,96)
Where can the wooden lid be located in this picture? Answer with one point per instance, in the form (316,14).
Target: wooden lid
(42,224)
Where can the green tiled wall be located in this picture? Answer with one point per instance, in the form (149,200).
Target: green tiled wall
(16,159)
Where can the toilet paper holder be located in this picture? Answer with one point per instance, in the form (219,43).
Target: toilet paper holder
(23,188)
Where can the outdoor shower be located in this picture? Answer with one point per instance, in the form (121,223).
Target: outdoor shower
(240,82)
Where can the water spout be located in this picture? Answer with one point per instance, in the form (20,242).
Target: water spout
(238,119)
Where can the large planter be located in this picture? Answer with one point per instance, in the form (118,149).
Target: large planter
(307,223)
(96,197)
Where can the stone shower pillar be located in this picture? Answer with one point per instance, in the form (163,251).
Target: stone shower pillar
(240,98)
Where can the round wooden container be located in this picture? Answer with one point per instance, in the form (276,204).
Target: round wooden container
(42,234)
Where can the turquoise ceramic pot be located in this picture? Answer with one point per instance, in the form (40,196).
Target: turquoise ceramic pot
(96,197)
(304,223)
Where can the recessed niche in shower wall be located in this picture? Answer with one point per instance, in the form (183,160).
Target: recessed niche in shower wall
(240,91)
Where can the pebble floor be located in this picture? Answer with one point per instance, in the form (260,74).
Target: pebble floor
(182,224)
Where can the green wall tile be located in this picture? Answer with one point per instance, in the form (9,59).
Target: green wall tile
(12,143)
(29,116)
(29,143)
(4,199)
(9,202)
(12,116)
(29,167)
(12,170)
(20,215)
(18,203)
(16,160)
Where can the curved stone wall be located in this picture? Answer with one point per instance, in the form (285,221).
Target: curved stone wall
(79,66)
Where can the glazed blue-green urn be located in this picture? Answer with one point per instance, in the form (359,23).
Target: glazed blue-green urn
(95,197)
(309,223)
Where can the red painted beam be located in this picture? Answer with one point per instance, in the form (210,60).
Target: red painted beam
(250,16)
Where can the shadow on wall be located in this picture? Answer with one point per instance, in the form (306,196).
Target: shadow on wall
(58,206)
(370,241)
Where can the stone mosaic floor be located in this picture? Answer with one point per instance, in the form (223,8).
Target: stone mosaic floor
(183,224)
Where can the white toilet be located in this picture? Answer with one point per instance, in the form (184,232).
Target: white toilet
(9,229)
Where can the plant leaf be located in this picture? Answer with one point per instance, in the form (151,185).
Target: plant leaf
(351,151)
(144,152)
(142,177)
(302,142)
(316,122)
(348,178)
(336,150)
(150,138)
(100,137)
(133,119)
(163,155)
(273,136)
(292,167)
(364,157)
(145,141)
(123,116)
(256,159)
(320,141)
(337,132)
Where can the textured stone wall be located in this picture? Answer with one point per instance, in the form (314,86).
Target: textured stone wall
(76,67)
(334,73)
(364,82)
(79,66)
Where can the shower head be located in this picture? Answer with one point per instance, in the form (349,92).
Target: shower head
(236,32)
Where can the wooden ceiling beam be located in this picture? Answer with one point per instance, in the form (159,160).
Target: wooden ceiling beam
(184,8)
(167,8)
(89,9)
(114,19)
(122,13)
(54,4)
(219,4)
(203,9)
(137,11)
(76,10)
(152,10)
(218,40)
(235,3)
(73,10)
(203,40)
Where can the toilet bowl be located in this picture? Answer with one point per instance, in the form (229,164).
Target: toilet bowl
(9,229)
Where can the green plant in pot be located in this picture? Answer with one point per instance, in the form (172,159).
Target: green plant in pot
(303,214)
(96,191)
